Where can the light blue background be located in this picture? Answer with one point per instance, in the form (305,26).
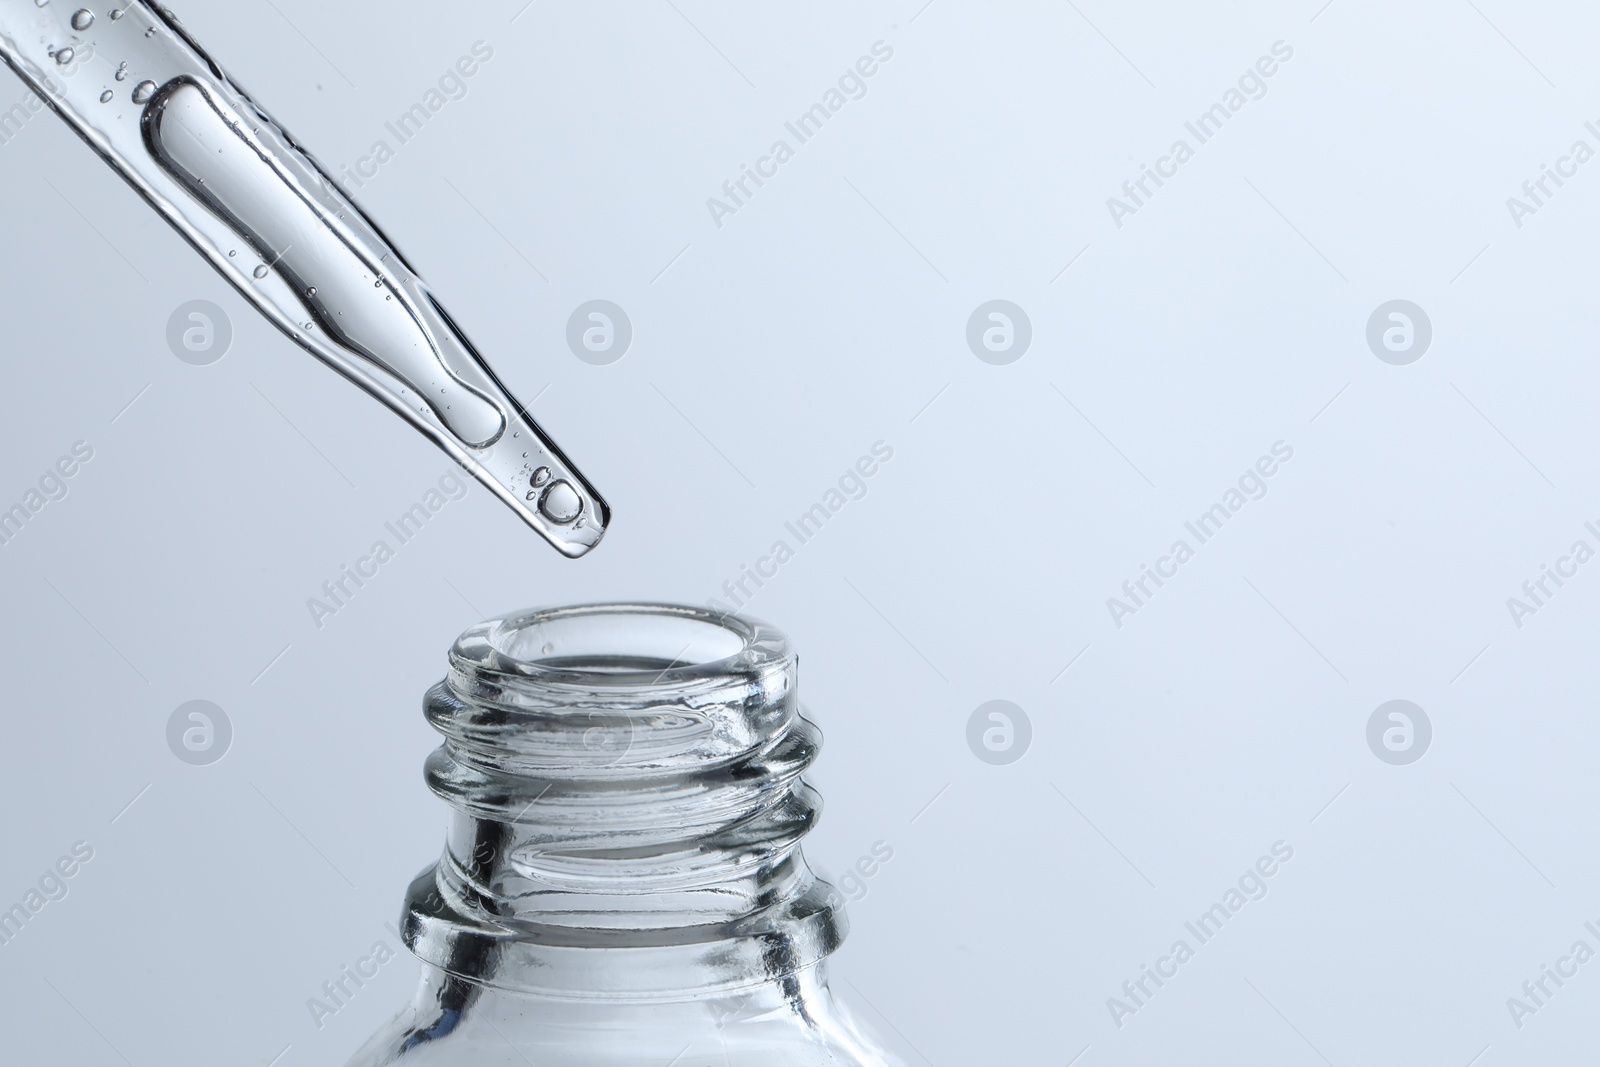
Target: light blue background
(1221,318)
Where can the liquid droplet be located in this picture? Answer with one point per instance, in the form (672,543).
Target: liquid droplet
(105,97)
(122,71)
(561,503)
(261,271)
(82,19)
(117,14)
(232,252)
(541,476)
(64,56)
(144,91)
(40,3)
(311,291)
(549,648)
(151,32)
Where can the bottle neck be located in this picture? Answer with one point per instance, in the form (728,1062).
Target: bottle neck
(627,810)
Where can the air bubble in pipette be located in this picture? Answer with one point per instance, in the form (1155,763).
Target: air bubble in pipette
(561,503)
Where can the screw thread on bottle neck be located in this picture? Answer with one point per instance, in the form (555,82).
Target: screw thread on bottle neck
(626,778)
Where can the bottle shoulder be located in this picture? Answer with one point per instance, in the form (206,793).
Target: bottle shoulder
(791,1023)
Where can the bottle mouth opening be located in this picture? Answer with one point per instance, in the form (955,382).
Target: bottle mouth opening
(620,645)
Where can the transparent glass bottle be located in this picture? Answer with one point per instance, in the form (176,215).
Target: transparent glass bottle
(622,883)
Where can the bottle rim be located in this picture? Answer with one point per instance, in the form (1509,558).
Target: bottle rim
(620,646)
